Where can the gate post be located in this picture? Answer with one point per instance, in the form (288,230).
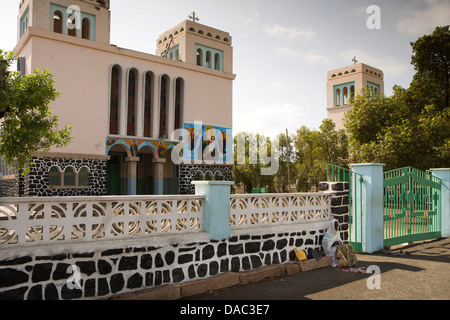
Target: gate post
(444,175)
(372,205)
(216,207)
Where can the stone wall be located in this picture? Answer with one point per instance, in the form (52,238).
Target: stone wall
(116,270)
(35,184)
(188,172)
(9,186)
(339,204)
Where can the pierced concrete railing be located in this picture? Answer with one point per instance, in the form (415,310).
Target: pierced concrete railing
(36,221)
(258,210)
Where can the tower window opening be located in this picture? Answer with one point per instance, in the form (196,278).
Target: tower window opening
(57,22)
(85,29)
(71,23)
(199,57)
(208,59)
(217,61)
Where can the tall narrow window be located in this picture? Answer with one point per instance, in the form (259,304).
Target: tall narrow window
(338,97)
(148,104)
(208,59)
(114,102)
(199,57)
(345,96)
(131,117)
(179,97)
(163,104)
(57,22)
(352,92)
(85,29)
(217,61)
(71,23)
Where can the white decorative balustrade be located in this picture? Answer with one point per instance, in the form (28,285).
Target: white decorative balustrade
(36,221)
(259,210)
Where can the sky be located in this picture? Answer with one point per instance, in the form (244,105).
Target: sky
(282,49)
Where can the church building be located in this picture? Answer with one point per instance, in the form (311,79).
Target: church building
(130,111)
(345,83)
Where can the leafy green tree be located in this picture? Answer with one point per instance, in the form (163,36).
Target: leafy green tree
(247,171)
(27,123)
(412,127)
(431,60)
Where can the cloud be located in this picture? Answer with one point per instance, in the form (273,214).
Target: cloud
(270,119)
(418,22)
(307,56)
(290,33)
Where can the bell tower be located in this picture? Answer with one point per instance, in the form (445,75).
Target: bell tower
(345,83)
(197,44)
(86,19)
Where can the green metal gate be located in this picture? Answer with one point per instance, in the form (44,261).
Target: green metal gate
(355,183)
(412,206)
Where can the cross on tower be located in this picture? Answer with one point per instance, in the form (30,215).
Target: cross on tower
(354,60)
(194,17)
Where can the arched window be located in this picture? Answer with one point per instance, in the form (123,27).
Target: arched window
(83,177)
(338,97)
(209,176)
(86,29)
(69,177)
(131,116)
(114,101)
(352,92)
(218,176)
(179,99)
(163,107)
(208,59)
(199,176)
(71,23)
(148,104)
(57,22)
(199,57)
(345,96)
(54,177)
(217,61)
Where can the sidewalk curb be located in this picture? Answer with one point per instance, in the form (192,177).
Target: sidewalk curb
(222,281)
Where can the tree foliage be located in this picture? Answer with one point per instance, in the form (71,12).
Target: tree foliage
(27,123)
(307,153)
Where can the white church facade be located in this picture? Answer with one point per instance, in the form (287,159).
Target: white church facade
(124,106)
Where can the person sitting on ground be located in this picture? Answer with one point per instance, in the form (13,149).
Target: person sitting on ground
(342,255)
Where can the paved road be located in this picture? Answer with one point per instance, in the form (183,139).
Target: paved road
(424,274)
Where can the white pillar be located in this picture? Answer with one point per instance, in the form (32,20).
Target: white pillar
(444,175)
(372,205)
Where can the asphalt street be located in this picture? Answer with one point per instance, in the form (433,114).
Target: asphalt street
(420,271)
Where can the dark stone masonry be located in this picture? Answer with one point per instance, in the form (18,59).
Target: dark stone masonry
(339,204)
(188,172)
(35,184)
(113,271)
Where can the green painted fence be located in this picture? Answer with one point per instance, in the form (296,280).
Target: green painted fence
(412,206)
